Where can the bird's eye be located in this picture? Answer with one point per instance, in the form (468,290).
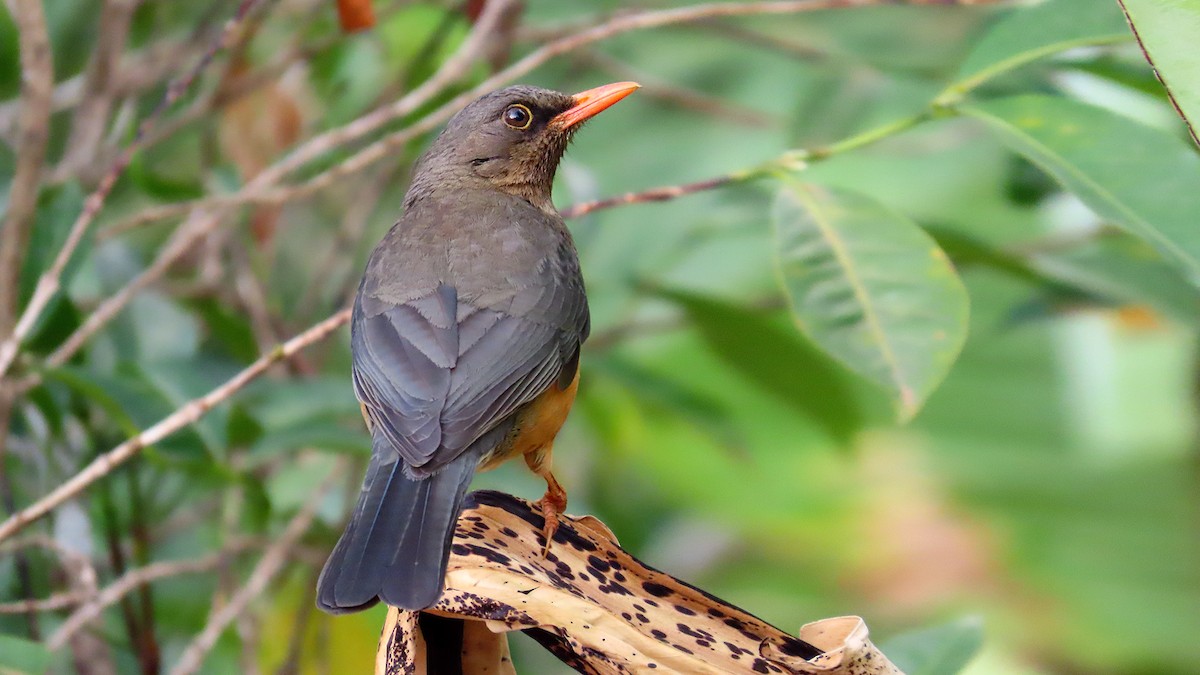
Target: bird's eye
(518,116)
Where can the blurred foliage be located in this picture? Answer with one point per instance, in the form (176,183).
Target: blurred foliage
(889,165)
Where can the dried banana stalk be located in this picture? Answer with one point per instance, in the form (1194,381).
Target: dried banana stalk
(596,608)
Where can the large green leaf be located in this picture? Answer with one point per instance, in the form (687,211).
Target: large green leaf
(871,288)
(1140,178)
(660,392)
(1111,269)
(18,655)
(1167,31)
(1122,270)
(1030,34)
(941,650)
(776,359)
(132,402)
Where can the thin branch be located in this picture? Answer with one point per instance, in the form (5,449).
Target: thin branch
(50,282)
(680,96)
(272,561)
(265,190)
(137,72)
(132,580)
(346,241)
(204,219)
(91,117)
(317,146)
(54,602)
(658,194)
(37,84)
(182,417)
(792,160)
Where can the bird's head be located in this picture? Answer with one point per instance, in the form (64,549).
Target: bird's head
(512,139)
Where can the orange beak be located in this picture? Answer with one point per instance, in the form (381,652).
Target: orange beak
(589,103)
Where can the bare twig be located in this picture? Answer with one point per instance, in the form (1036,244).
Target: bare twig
(346,240)
(179,244)
(791,160)
(37,83)
(132,580)
(51,280)
(265,181)
(59,601)
(91,117)
(185,415)
(137,72)
(262,189)
(764,40)
(270,564)
(681,96)
(266,190)
(658,194)
(206,217)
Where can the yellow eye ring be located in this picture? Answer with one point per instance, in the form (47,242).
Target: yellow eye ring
(517,117)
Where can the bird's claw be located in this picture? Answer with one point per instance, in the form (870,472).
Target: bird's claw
(552,506)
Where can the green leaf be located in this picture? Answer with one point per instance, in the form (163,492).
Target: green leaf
(241,429)
(1167,31)
(172,170)
(776,359)
(658,391)
(871,288)
(18,655)
(318,433)
(227,329)
(1123,270)
(941,650)
(1110,269)
(1026,35)
(56,213)
(1140,178)
(132,402)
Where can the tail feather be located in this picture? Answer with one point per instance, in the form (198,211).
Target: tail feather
(397,543)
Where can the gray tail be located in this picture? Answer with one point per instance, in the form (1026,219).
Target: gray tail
(397,543)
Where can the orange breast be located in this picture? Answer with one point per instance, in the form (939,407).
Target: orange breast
(537,425)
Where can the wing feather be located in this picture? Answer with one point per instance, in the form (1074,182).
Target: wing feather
(436,373)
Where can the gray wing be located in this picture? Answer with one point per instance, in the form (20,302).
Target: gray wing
(437,372)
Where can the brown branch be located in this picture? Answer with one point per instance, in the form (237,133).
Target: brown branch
(597,608)
(182,417)
(37,84)
(680,96)
(658,194)
(264,182)
(110,307)
(136,72)
(54,602)
(91,117)
(50,282)
(265,189)
(206,217)
(346,241)
(131,581)
(268,566)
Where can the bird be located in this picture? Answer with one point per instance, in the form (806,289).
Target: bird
(465,339)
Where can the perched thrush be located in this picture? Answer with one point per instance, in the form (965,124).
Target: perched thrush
(465,337)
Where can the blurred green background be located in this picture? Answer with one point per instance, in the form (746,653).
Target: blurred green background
(1043,500)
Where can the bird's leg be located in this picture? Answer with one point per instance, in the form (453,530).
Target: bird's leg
(554,502)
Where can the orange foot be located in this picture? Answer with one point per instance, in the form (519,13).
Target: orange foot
(552,505)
